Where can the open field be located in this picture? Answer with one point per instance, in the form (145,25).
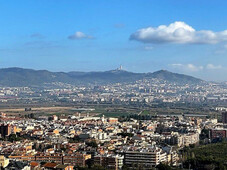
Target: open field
(108,110)
(37,110)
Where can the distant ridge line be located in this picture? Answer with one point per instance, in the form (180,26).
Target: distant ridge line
(16,76)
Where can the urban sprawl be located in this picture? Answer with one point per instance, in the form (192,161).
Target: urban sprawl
(141,125)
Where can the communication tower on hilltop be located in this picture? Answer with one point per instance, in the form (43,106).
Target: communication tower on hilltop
(120,68)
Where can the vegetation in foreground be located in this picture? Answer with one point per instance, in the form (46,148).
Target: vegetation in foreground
(211,156)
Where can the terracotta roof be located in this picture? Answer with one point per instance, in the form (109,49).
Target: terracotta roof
(34,164)
(50,165)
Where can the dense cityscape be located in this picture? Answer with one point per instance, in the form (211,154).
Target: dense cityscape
(141,91)
(146,124)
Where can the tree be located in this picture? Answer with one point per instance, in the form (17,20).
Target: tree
(14,137)
(162,166)
(92,144)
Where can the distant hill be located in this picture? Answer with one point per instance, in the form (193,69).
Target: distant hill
(175,77)
(111,76)
(28,77)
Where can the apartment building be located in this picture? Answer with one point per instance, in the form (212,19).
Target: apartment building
(146,158)
(114,162)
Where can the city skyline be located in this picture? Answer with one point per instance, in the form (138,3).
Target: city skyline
(179,36)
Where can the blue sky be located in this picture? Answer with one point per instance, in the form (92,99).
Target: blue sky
(98,35)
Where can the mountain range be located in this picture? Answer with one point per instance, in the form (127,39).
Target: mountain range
(29,77)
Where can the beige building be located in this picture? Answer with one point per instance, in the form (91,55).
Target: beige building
(3,161)
(145,158)
(187,139)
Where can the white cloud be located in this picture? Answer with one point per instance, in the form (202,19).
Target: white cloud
(213,67)
(194,68)
(187,67)
(79,35)
(177,65)
(178,32)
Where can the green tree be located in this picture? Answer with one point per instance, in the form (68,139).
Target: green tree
(162,166)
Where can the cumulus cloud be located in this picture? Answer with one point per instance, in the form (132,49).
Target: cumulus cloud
(179,33)
(79,35)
